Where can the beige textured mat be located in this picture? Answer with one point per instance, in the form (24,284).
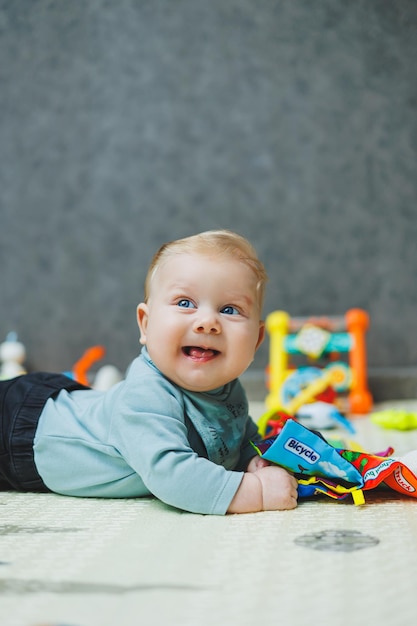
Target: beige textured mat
(80,562)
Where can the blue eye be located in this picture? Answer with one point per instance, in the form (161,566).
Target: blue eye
(229,310)
(185,304)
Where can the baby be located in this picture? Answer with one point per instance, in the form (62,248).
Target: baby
(178,426)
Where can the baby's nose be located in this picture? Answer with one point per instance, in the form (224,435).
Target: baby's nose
(207,323)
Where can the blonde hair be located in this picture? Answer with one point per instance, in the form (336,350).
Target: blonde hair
(223,242)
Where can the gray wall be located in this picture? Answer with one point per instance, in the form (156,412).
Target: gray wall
(126,124)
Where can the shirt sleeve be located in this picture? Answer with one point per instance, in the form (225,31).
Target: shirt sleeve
(154,443)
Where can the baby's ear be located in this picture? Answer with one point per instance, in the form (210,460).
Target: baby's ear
(261,335)
(142,318)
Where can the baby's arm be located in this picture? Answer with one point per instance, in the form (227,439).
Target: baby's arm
(264,487)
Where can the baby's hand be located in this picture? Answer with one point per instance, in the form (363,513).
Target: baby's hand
(264,487)
(256,463)
(279,488)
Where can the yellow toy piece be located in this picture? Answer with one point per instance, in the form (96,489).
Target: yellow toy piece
(262,423)
(356,493)
(309,393)
(395,419)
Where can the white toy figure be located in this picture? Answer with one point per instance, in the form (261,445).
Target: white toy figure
(106,377)
(12,357)
(322,415)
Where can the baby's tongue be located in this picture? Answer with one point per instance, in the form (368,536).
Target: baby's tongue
(198,353)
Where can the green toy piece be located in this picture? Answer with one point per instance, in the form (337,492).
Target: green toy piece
(395,419)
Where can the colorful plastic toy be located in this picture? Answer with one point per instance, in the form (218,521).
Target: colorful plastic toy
(314,416)
(309,392)
(322,416)
(272,422)
(106,376)
(341,335)
(395,419)
(84,363)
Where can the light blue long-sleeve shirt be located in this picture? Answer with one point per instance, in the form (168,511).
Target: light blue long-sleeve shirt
(137,439)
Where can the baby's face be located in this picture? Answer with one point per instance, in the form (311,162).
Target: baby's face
(201,324)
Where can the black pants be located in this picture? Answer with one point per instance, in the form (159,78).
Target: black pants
(21,402)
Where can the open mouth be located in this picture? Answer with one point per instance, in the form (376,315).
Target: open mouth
(200,354)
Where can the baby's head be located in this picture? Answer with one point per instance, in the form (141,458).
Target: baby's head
(223,243)
(201,317)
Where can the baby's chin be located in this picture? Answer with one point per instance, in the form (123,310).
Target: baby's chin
(197,386)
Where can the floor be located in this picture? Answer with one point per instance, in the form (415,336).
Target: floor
(79,562)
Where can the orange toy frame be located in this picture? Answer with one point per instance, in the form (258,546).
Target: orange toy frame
(354,325)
